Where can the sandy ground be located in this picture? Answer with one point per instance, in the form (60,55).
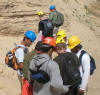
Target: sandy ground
(9,84)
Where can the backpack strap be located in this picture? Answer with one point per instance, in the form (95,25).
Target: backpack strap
(80,58)
(82,53)
(38,67)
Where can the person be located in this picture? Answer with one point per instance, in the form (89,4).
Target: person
(76,47)
(61,36)
(28,57)
(63,60)
(48,66)
(21,50)
(57,19)
(40,26)
(41,15)
(27,87)
(45,27)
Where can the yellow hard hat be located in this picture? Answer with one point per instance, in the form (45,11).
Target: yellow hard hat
(40,13)
(73,42)
(61,34)
(60,40)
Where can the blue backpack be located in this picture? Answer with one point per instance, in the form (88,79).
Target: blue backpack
(92,62)
(40,75)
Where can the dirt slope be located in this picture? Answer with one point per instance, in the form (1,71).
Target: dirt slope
(82,18)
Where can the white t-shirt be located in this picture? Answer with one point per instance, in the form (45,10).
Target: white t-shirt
(19,53)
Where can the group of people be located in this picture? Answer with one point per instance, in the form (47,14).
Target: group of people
(52,76)
(48,27)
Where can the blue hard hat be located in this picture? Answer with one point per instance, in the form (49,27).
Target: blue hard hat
(31,35)
(52,7)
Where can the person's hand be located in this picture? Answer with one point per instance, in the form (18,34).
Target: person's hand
(20,65)
(80,92)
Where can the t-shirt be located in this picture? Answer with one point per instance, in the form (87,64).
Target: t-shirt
(20,53)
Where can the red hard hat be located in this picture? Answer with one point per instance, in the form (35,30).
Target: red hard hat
(50,41)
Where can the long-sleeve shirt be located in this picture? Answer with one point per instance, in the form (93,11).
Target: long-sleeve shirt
(84,69)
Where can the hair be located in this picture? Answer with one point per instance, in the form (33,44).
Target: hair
(38,45)
(47,47)
(61,46)
(25,38)
(79,46)
(41,15)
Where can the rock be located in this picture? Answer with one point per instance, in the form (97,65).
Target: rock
(18,16)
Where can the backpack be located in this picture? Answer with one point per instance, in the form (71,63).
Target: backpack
(39,75)
(92,62)
(60,19)
(11,60)
(69,68)
(48,28)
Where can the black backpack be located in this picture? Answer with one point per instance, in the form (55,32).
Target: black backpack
(48,28)
(92,62)
(69,68)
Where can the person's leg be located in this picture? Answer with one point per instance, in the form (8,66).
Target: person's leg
(20,76)
(20,80)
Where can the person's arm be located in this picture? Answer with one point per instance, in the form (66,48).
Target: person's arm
(56,80)
(86,71)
